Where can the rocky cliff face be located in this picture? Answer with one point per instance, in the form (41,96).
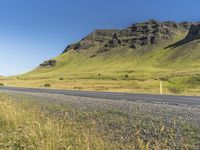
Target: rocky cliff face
(137,35)
(193,34)
(194,31)
(95,38)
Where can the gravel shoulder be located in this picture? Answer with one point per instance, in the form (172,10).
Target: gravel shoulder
(185,113)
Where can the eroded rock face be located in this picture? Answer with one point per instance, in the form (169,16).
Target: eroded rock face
(137,35)
(48,63)
(114,42)
(85,44)
(148,33)
(95,38)
(194,32)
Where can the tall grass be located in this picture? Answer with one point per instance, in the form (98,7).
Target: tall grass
(28,125)
(33,129)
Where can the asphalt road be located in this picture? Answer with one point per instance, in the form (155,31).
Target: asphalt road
(149,98)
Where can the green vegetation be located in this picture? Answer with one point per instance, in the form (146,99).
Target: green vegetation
(122,69)
(47,85)
(175,88)
(61,78)
(31,124)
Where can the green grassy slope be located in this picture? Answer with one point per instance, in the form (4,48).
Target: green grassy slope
(121,69)
(115,62)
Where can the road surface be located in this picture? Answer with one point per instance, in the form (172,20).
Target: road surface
(149,98)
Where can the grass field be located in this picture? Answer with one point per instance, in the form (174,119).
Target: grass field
(27,123)
(122,69)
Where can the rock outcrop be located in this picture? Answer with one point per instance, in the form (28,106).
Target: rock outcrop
(137,35)
(48,63)
(114,42)
(95,38)
(193,34)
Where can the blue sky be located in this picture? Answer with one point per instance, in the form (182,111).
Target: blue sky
(32,31)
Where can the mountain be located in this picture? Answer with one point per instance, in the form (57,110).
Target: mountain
(130,59)
(135,36)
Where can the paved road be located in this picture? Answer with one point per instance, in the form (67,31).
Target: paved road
(150,98)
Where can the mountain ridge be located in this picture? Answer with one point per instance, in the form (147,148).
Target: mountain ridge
(136,35)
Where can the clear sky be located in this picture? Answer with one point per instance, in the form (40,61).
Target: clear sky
(32,31)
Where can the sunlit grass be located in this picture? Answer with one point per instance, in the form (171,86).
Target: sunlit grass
(121,69)
(29,124)
(31,128)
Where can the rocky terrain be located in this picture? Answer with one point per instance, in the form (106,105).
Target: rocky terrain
(48,63)
(193,34)
(135,36)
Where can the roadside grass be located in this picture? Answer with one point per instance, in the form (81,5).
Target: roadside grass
(25,126)
(187,85)
(32,124)
(122,70)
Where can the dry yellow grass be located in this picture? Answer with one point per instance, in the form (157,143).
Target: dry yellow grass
(25,124)
(32,129)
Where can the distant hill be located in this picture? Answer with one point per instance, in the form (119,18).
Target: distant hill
(142,54)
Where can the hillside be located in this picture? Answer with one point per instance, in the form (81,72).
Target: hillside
(133,59)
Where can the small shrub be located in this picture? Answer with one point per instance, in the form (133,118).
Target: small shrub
(175,88)
(78,87)
(1,84)
(126,76)
(61,78)
(47,85)
(193,82)
(164,79)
